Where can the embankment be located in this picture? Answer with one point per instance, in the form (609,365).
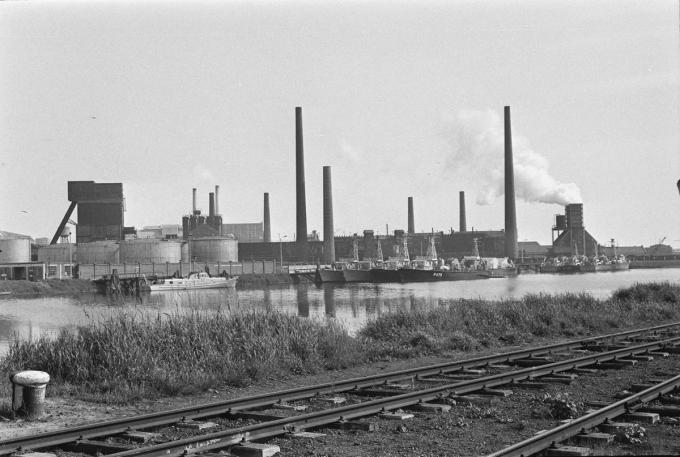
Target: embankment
(48,287)
(257,280)
(130,355)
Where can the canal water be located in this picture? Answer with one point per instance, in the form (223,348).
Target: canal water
(352,305)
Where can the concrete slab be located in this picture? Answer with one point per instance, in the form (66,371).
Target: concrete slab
(289,407)
(495,392)
(255,450)
(568,451)
(613,427)
(476,399)
(399,416)
(333,400)
(555,379)
(594,439)
(305,435)
(195,425)
(140,437)
(670,411)
(431,407)
(355,425)
(645,418)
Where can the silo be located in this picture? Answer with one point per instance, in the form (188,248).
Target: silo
(98,252)
(185,251)
(150,250)
(15,250)
(214,249)
(57,253)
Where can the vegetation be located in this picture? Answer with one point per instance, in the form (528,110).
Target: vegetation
(133,355)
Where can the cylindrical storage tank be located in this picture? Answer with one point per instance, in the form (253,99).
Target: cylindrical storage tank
(214,249)
(15,250)
(185,251)
(98,252)
(60,253)
(150,251)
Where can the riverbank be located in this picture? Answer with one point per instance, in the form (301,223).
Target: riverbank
(49,287)
(250,281)
(129,356)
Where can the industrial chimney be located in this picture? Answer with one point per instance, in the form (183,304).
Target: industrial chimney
(267,223)
(301,208)
(328,233)
(193,206)
(463,223)
(217,200)
(211,204)
(510,213)
(411,224)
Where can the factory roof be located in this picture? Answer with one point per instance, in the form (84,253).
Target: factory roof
(13,236)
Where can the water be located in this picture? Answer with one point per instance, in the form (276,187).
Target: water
(350,304)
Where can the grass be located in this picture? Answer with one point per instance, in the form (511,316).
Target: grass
(132,355)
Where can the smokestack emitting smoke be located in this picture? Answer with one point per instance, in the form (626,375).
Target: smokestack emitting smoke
(301,208)
(193,205)
(510,213)
(217,199)
(328,236)
(476,140)
(463,223)
(411,223)
(267,222)
(211,204)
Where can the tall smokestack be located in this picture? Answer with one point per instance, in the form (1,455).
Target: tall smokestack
(217,200)
(211,204)
(267,223)
(411,224)
(328,236)
(463,223)
(510,213)
(193,206)
(301,206)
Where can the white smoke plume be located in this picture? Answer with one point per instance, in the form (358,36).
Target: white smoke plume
(477,149)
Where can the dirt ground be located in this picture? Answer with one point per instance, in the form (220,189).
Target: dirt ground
(467,429)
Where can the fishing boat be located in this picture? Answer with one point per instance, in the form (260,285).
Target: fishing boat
(332,274)
(358,271)
(602,263)
(388,271)
(431,268)
(200,280)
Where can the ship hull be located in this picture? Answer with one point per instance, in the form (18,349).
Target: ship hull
(413,275)
(330,276)
(382,275)
(357,275)
(190,284)
(605,267)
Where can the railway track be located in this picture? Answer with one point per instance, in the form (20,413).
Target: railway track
(428,384)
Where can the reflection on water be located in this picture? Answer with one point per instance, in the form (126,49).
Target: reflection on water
(351,305)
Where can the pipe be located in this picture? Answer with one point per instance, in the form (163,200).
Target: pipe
(211,204)
(217,201)
(328,233)
(510,212)
(267,222)
(411,224)
(463,222)
(301,208)
(193,207)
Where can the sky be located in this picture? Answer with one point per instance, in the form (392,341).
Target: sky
(400,98)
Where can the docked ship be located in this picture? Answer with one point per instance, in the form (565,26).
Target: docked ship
(602,263)
(388,271)
(200,280)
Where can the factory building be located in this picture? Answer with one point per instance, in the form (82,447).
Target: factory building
(100,211)
(197,224)
(572,236)
(245,232)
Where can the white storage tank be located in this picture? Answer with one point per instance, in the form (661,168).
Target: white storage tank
(185,251)
(57,253)
(214,249)
(101,252)
(148,250)
(15,250)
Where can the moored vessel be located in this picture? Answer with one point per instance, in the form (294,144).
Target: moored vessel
(200,280)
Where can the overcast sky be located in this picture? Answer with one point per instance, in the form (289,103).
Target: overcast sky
(401,99)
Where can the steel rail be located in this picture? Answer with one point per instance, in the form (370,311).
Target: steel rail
(60,437)
(217,440)
(544,440)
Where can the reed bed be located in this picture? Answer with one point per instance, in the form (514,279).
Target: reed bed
(133,355)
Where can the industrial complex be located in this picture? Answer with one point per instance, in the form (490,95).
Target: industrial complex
(103,239)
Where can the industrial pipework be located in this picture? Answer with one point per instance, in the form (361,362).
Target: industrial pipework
(328,233)
(510,213)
